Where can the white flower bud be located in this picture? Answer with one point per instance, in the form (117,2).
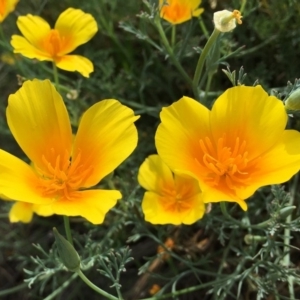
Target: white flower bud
(225,20)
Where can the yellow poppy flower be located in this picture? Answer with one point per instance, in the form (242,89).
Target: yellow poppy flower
(72,29)
(170,198)
(6,7)
(24,211)
(179,11)
(232,150)
(64,169)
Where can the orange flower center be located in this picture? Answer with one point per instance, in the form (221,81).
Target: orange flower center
(64,178)
(225,164)
(176,11)
(3,4)
(53,43)
(176,202)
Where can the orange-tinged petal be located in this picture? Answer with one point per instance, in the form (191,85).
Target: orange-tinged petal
(154,175)
(39,121)
(6,7)
(76,28)
(277,165)
(90,204)
(75,63)
(106,137)
(18,180)
(34,29)
(21,45)
(179,11)
(250,114)
(184,123)
(21,212)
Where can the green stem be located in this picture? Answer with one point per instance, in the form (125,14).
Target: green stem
(68,229)
(173,36)
(201,61)
(171,53)
(243,6)
(13,289)
(95,288)
(203,28)
(287,238)
(207,88)
(55,75)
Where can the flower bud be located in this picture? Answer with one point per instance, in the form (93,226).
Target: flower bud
(226,20)
(250,239)
(293,101)
(67,253)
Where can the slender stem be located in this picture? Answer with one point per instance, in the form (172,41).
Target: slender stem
(201,61)
(287,238)
(227,215)
(13,289)
(203,27)
(207,88)
(171,53)
(243,6)
(55,75)
(173,36)
(68,229)
(95,288)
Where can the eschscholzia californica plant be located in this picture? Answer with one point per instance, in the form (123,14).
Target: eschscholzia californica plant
(64,169)
(170,198)
(6,7)
(179,11)
(232,150)
(72,29)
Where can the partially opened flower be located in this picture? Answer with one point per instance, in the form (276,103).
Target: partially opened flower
(72,29)
(24,211)
(179,11)
(6,7)
(64,170)
(226,20)
(170,198)
(232,150)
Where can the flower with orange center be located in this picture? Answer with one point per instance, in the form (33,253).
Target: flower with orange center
(64,169)
(72,29)
(6,7)
(170,199)
(179,11)
(232,150)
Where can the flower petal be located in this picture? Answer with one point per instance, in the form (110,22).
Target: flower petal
(90,204)
(250,114)
(6,7)
(277,165)
(106,137)
(76,28)
(183,124)
(21,212)
(34,29)
(39,121)
(22,46)
(154,175)
(18,180)
(75,63)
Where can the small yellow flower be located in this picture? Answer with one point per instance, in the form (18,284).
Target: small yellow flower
(232,150)
(64,169)
(72,29)
(23,211)
(179,11)
(170,199)
(6,7)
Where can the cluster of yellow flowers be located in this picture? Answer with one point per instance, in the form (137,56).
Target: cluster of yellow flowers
(204,156)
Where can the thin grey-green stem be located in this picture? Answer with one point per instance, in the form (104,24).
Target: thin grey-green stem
(173,36)
(207,88)
(203,28)
(95,288)
(227,215)
(13,289)
(201,61)
(171,53)
(287,238)
(55,75)
(68,229)
(243,6)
